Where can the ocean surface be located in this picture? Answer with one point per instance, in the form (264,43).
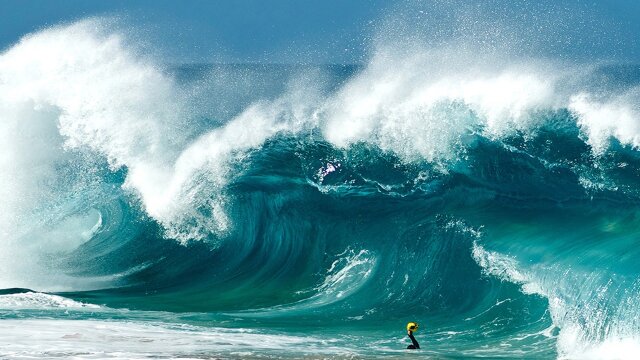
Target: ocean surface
(153,210)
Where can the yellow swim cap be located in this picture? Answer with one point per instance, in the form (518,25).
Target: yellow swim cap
(412,326)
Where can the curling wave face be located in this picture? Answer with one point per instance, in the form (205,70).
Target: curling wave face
(497,203)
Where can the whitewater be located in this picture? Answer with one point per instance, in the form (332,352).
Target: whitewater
(151,210)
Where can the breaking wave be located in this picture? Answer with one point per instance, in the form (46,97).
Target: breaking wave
(494,200)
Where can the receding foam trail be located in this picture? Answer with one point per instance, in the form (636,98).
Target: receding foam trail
(90,339)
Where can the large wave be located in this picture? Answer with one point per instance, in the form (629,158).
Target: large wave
(495,198)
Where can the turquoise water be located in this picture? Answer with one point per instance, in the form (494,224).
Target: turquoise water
(287,211)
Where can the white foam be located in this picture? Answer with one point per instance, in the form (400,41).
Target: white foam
(590,327)
(601,120)
(33,300)
(572,346)
(424,104)
(90,339)
(420,107)
(71,87)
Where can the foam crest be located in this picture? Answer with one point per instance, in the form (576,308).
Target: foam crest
(92,95)
(427,104)
(100,97)
(420,107)
(64,91)
(192,204)
(603,119)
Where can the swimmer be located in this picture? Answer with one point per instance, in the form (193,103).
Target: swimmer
(411,327)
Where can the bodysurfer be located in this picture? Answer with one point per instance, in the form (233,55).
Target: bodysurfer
(411,327)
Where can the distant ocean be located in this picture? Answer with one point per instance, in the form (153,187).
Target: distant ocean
(310,211)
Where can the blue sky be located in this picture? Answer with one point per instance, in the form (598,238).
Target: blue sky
(250,30)
(328,31)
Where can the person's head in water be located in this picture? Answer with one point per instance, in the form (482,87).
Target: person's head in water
(411,327)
